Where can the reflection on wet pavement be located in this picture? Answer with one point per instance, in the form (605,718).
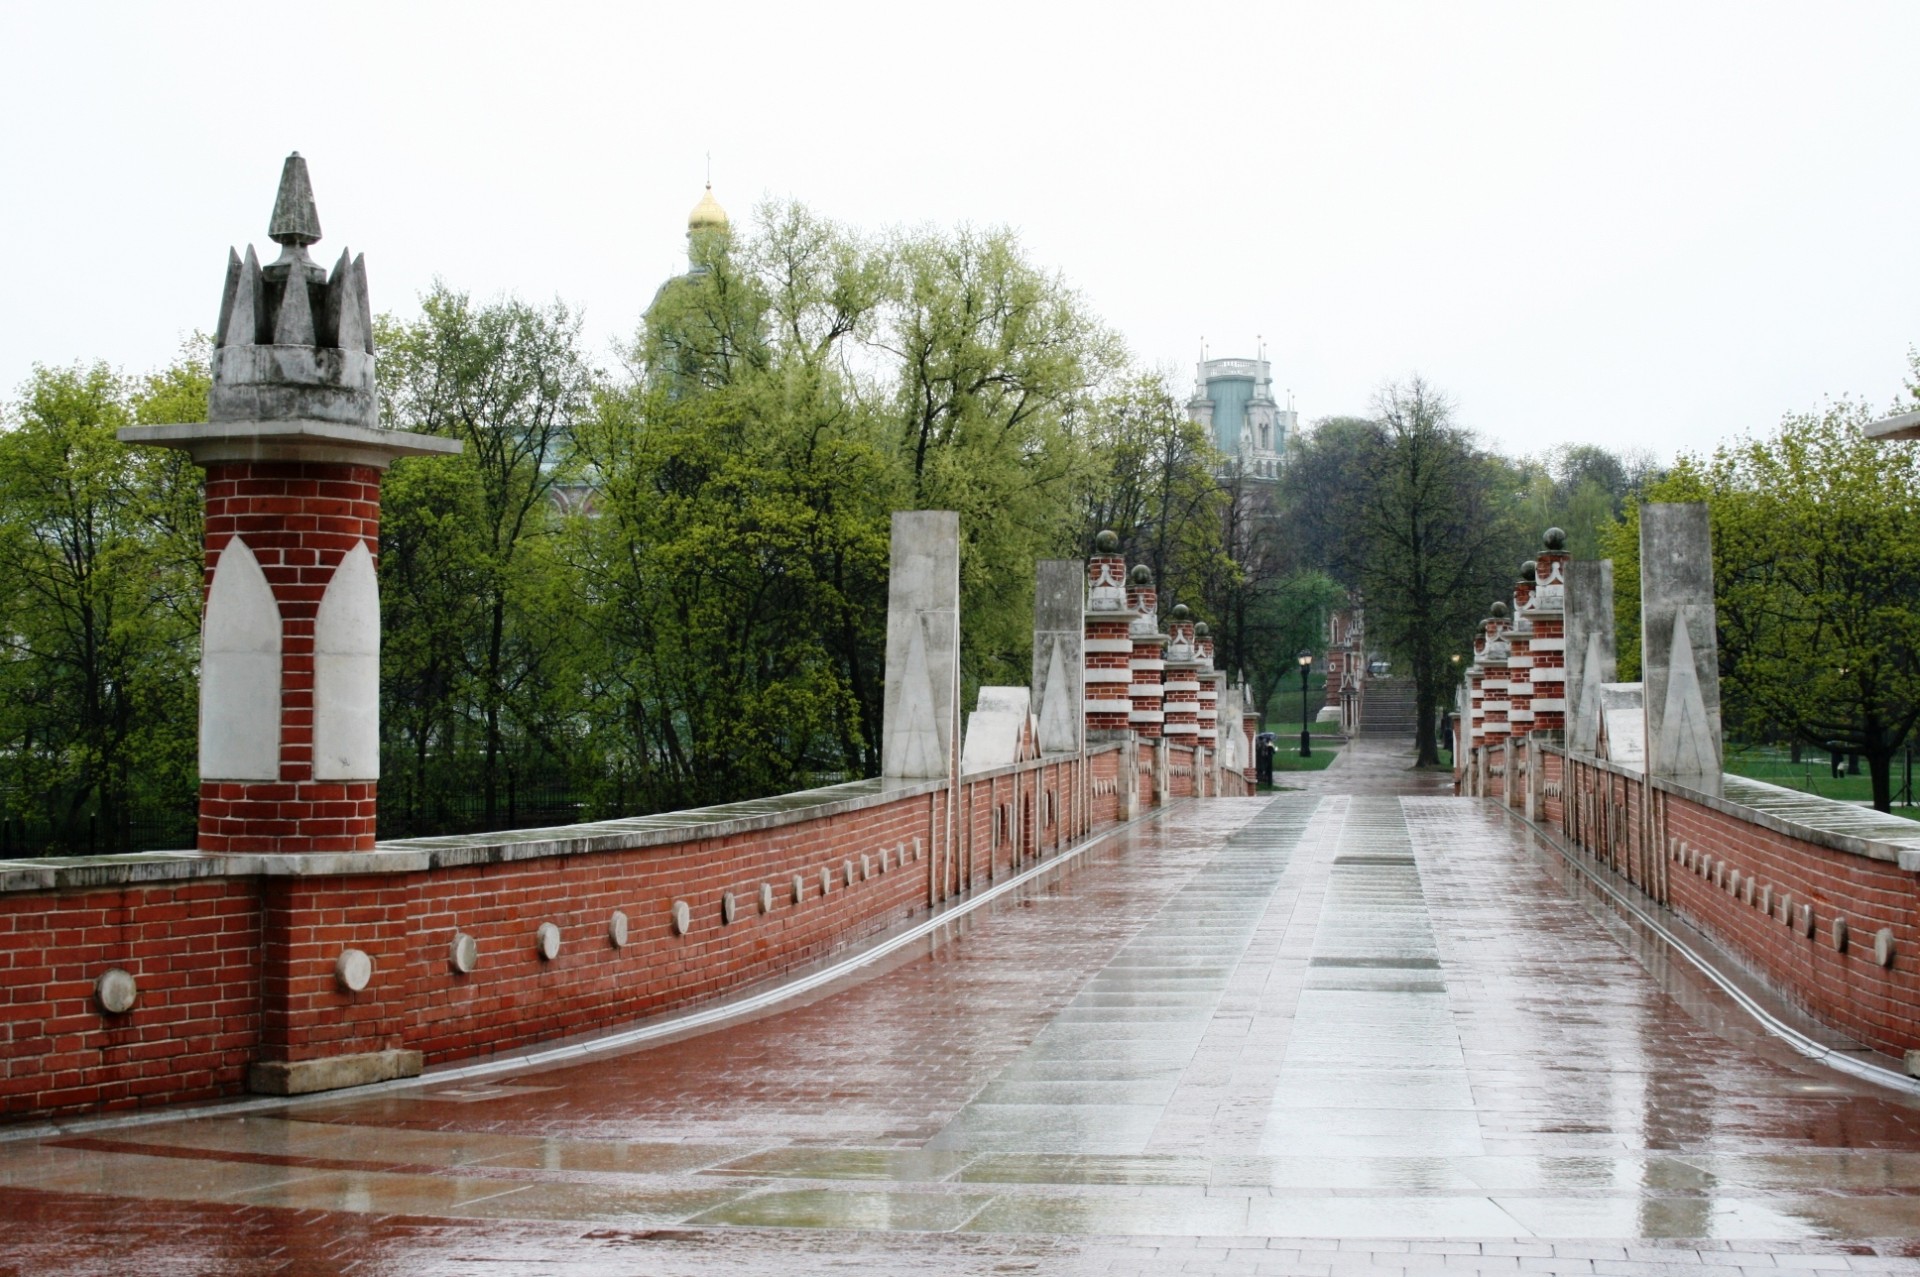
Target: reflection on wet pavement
(1363,1012)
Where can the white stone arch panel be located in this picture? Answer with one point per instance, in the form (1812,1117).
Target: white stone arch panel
(346,673)
(240,672)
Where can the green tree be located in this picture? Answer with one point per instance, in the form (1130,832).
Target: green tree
(99,604)
(511,382)
(1816,541)
(1156,485)
(1409,509)
(994,364)
(736,555)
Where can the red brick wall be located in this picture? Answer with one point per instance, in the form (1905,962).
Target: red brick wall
(1700,850)
(299,519)
(194,949)
(239,970)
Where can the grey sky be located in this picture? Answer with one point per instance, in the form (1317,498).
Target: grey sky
(1646,225)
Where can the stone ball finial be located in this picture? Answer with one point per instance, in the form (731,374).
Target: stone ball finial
(1530,570)
(1499,612)
(1181,612)
(295,220)
(1142,575)
(1200,629)
(1555,539)
(1107,541)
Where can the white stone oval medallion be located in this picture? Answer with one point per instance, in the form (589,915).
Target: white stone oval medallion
(116,991)
(353,970)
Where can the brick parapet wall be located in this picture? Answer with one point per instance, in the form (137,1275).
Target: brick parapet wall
(196,946)
(1746,878)
(234,955)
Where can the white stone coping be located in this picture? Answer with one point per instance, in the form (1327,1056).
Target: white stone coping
(1108,646)
(1182,685)
(1145,691)
(1148,663)
(416,855)
(1904,426)
(295,440)
(1824,822)
(1099,676)
(1548,645)
(1146,716)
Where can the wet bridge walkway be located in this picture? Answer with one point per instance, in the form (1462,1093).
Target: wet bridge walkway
(1355,1028)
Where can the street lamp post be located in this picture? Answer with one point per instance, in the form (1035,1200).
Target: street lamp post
(1306,738)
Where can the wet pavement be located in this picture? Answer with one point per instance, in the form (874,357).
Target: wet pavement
(1358,1026)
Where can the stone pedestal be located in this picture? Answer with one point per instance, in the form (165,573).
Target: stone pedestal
(1059,632)
(919,734)
(1590,654)
(1679,657)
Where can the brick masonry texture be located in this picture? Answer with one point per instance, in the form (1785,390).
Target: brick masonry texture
(1690,862)
(240,970)
(299,519)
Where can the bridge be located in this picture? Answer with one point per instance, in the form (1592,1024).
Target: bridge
(1060,990)
(1363,1026)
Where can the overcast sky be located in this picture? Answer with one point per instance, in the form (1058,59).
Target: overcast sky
(1651,226)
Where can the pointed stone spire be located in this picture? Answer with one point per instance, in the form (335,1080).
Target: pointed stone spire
(364,299)
(295,224)
(240,308)
(295,220)
(293,325)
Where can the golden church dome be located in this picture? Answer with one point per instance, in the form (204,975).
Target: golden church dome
(707,215)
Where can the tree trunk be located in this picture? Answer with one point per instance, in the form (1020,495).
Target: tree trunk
(1880,767)
(1427,754)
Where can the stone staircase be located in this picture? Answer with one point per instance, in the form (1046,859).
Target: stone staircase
(1387,709)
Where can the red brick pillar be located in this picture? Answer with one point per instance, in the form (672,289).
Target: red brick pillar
(1549,640)
(299,519)
(1476,705)
(1148,660)
(1249,728)
(1520,657)
(1493,684)
(1109,644)
(290,640)
(1182,726)
(1207,717)
(289,704)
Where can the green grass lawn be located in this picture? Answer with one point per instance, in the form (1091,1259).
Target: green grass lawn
(1287,757)
(1812,775)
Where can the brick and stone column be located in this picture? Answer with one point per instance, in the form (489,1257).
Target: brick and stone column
(1548,644)
(1182,725)
(1148,659)
(290,647)
(1208,716)
(1109,645)
(1493,682)
(1249,728)
(1520,657)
